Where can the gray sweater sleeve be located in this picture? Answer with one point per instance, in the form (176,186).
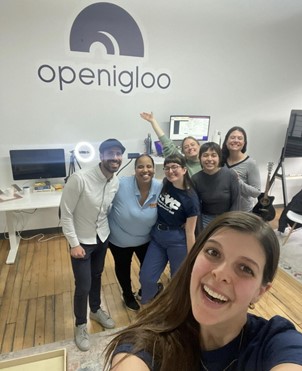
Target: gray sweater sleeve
(249,178)
(235,192)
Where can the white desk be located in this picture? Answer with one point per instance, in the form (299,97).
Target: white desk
(158,160)
(37,200)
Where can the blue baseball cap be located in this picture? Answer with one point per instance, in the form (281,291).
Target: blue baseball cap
(109,143)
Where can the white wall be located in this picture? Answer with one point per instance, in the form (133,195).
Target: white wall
(238,61)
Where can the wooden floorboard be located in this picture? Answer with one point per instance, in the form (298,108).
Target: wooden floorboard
(36,295)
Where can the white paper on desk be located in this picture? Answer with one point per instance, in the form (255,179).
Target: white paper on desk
(3,197)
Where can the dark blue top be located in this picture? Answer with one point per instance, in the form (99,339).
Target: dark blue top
(265,344)
(176,205)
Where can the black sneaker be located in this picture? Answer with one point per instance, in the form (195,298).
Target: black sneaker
(130,302)
(160,288)
(138,295)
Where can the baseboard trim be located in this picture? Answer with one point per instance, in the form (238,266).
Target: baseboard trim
(33,232)
(279,205)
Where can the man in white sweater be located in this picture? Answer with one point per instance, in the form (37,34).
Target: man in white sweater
(85,204)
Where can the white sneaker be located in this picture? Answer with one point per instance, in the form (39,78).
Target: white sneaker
(82,337)
(138,295)
(282,234)
(103,318)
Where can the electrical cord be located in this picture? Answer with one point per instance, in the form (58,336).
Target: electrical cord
(41,239)
(20,227)
(128,163)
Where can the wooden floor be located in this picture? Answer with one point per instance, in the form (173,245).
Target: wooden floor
(36,295)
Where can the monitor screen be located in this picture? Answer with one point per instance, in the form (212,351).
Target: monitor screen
(182,126)
(293,138)
(38,163)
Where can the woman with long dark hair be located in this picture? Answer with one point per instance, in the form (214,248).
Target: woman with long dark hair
(234,157)
(201,320)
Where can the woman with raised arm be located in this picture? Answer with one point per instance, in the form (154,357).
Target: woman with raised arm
(201,321)
(234,157)
(189,146)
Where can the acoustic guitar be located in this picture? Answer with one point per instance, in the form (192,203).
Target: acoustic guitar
(264,207)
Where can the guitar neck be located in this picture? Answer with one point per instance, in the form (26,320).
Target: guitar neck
(266,186)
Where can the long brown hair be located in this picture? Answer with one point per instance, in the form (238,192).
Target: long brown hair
(224,150)
(166,328)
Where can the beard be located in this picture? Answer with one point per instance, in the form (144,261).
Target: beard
(112,166)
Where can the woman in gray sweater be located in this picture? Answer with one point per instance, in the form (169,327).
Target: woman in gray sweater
(234,157)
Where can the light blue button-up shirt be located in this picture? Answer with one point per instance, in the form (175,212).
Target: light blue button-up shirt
(130,223)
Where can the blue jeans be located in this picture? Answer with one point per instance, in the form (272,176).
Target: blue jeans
(87,274)
(165,246)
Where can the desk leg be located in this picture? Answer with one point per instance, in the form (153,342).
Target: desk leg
(13,239)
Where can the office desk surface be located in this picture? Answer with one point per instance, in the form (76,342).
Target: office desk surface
(35,200)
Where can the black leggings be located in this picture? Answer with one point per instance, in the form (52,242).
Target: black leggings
(122,259)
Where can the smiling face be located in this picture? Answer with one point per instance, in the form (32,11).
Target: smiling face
(235,141)
(111,160)
(144,170)
(226,277)
(210,161)
(175,174)
(190,148)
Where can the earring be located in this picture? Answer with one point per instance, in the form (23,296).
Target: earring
(252,306)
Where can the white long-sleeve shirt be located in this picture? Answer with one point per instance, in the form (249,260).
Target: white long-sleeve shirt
(85,204)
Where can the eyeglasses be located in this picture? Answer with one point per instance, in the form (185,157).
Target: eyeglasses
(173,168)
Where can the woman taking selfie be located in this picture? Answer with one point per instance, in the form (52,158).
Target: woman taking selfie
(201,320)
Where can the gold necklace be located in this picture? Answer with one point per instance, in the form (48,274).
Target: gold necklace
(233,361)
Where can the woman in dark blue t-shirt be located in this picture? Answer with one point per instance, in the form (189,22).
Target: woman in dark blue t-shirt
(174,232)
(201,320)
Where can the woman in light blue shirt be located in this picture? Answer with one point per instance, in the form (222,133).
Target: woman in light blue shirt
(133,214)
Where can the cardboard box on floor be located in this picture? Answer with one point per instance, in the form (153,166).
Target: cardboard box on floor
(47,361)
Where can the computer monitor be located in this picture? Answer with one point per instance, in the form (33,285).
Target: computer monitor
(38,163)
(196,126)
(293,138)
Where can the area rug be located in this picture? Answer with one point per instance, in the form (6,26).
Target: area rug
(76,360)
(291,254)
